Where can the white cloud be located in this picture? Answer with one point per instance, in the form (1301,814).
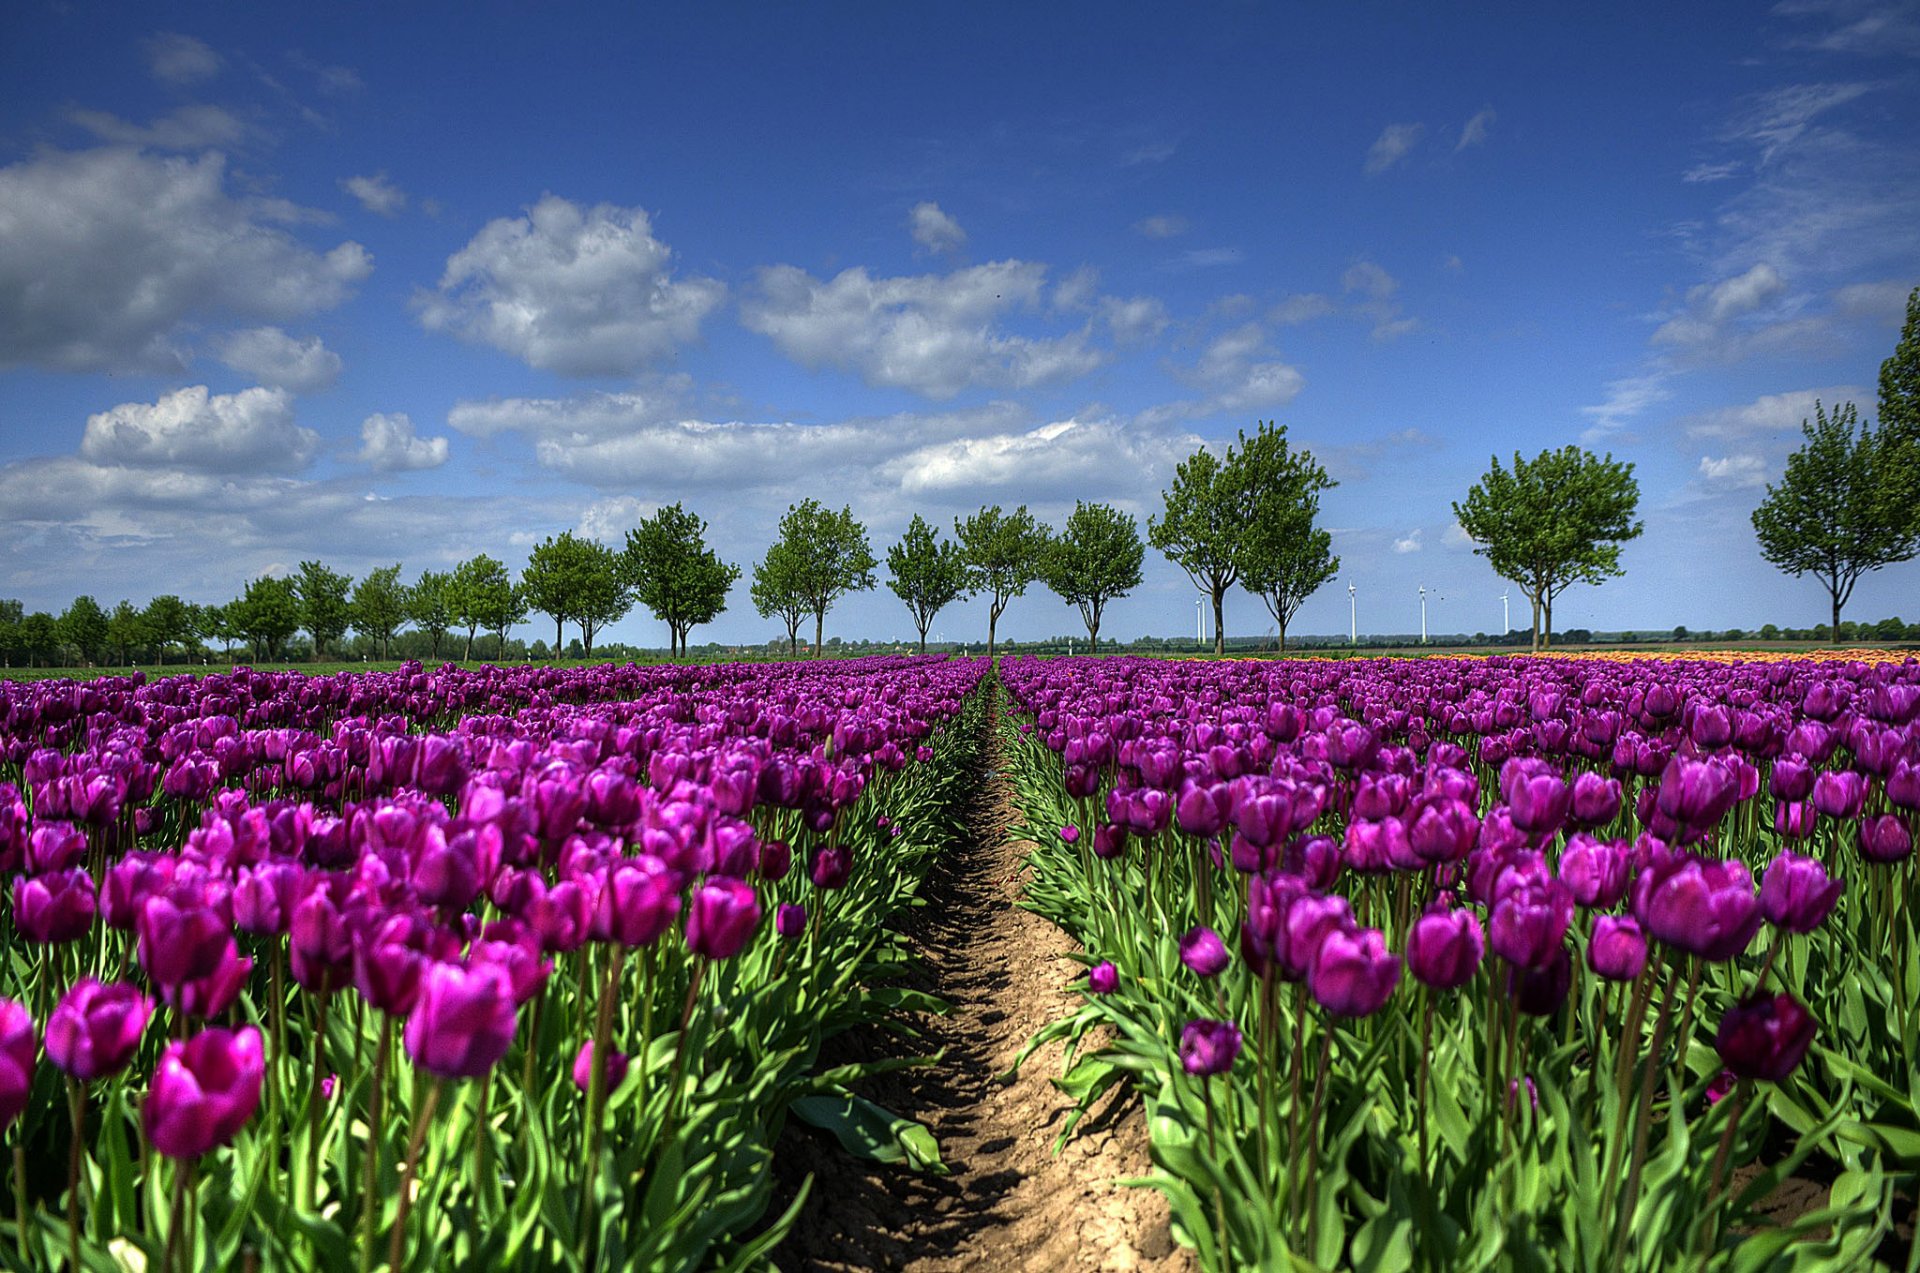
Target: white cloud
(1076,291)
(376,194)
(1134,320)
(1455,537)
(1409,542)
(1474,132)
(1393,145)
(934,230)
(388,445)
(1205,257)
(1151,152)
(273,358)
(1376,289)
(1884,302)
(187,128)
(180,60)
(190,429)
(1369,280)
(1163,225)
(1301,307)
(1625,399)
(607,521)
(573,290)
(1859,26)
(1701,173)
(1040,463)
(1734,472)
(931,333)
(1241,373)
(1770,414)
(105,253)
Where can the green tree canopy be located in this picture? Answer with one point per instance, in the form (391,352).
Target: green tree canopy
(1004,553)
(325,611)
(674,574)
(40,638)
(821,555)
(266,615)
(84,627)
(1844,507)
(127,631)
(379,605)
(1284,558)
(482,597)
(1094,560)
(170,621)
(1900,378)
(776,591)
(430,606)
(12,644)
(1553,521)
(927,573)
(578,579)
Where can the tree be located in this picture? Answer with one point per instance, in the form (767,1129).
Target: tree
(1004,553)
(776,592)
(1210,506)
(216,622)
(1900,378)
(577,579)
(84,627)
(1844,507)
(430,607)
(823,554)
(1554,521)
(674,574)
(126,629)
(1096,559)
(40,638)
(379,605)
(169,622)
(12,646)
(927,573)
(1283,557)
(267,615)
(325,611)
(481,589)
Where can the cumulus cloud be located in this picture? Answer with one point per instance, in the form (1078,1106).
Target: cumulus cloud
(1734,472)
(188,128)
(1163,225)
(934,230)
(1038,463)
(190,429)
(1409,542)
(376,194)
(181,60)
(1774,413)
(1134,320)
(1241,373)
(388,445)
(105,253)
(573,290)
(1076,291)
(1474,132)
(271,357)
(1455,537)
(1301,307)
(1870,27)
(1395,142)
(935,334)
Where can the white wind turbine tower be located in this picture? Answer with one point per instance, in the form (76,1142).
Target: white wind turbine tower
(1353,617)
(1506,624)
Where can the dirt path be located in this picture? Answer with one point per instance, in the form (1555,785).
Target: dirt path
(1010,1202)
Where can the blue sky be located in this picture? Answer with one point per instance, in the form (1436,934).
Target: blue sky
(280,283)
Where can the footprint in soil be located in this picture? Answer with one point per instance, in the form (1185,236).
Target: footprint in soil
(1010,1202)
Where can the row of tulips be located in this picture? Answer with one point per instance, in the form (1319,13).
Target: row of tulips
(1501,964)
(533,988)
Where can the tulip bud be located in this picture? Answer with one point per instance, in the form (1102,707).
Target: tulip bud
(1445,947)
(95,1030)
(612,1074)
(463,1022)
(1202,951)
(1796,894)
(17,1048)
(203,1091)
(1209,1047)
(1765,1037)
(790,921)
(1352,974)
(1617,950)
(1885,838)
(1103,978)
(831,867)
(722,918)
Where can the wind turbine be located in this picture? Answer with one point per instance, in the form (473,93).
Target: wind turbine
(1506,624)
(1423,614)
(1353,617)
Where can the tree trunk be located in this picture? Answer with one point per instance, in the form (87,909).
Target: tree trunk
(993,622)
(1835,629)
(1283,636)
(1219,621)
(1093,636)
(1546,636)
(1533,644)
(923,638)
(819,633)
(469,654)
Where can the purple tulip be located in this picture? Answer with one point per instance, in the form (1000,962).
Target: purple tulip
(1840,794)
(1308,922)
(180,944)
(1696,794)
(54,908)
(1103,978)
(639,899)
(463,1021)
(831,867)
(1445,947)
(1596,873)
(203,1091)
(1441,828)
(1795,819)
(1764,1037)
(95,1029)
(1618,949)
(1707,908)
(1791,779)
(18,1046)
(1209,1047)
(1352,973)
(1596,799)
(1537,796)
(790,920)
(1795,893)
(55,846)
(1529,920)
(722,918)
(1070,833)
(1885,838)
(1202,951)
(612,1074)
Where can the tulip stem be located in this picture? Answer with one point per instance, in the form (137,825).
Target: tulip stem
(1314,1127)
(310,1185)
(596,1101)
(369,1203)
(1426,1046)
(178,1215)
(1736,1108)
(20,1197)
(1643,1116)
(422,1119)
(77,1105)
(1296,1060)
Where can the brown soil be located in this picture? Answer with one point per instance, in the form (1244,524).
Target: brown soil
(1010,1202)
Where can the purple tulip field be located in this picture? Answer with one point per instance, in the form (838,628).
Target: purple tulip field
(1503,964)
(471,969)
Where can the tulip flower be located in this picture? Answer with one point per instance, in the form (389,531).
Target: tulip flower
(1202,951)
(18,1046)
(722,918)
(1885,838)
(1796,894)
(1352,974)
(203,1091)
(1705,907)
(1209,1047)
(1597,874)
(1103,978)
(1617,950)
(831,867)
(1529,921)
(95,1029)
(612,1074)
(463,1021)
(638,901)
(1445,947)
(56,907)
(1764,1037)
(790,921)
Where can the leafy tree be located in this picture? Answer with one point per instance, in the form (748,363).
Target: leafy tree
(1210,506)
(1844,506)
(430,606)
(1094,560)
(1900,378)
(40,638)
(84,627)
(776,592)
(480,594)
(927,573)
(169,622)
(126,629)
(325,611)
(1004,553)
(823,554)
(1554,521)
(579,580)
(1283,557)
(12,613)
(379,605)
(266,615)
(674,574)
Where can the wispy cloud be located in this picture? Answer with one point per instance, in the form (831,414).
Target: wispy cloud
(1164,225)
(1474,132)
(1395,142)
